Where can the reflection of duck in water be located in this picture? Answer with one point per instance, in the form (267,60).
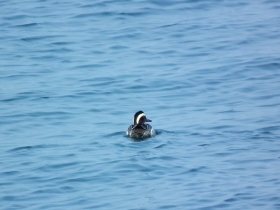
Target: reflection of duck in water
(139,129)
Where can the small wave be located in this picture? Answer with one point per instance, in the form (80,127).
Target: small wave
(94,14)
(115,134)
(94,5)
(26,148)
(161,131)
(37,38)
(133,13)
(27,25)
(91,66)
(195,170)
(50,167)
(34,147)
(270,129)
(203,145)
(270,66)
(270,105)
(221,127)
(16,17)
(160,146)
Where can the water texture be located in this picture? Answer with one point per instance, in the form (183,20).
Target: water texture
(73,73)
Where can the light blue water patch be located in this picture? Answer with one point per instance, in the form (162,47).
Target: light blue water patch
(74,73)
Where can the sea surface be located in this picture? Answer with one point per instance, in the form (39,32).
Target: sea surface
(73,73)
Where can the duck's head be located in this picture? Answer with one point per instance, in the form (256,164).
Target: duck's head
(140,118)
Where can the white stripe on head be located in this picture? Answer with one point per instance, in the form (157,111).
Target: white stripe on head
(139,117)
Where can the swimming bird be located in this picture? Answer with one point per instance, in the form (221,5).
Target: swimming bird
(140,129)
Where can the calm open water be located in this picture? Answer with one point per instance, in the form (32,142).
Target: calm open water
(73,73)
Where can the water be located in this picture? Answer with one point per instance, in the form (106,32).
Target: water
(73,73)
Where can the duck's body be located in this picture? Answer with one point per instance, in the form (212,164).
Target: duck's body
(140,129)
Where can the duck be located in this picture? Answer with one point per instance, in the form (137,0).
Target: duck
(139,128)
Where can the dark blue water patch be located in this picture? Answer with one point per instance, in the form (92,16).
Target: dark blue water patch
(217,206)
(230,111)
(32,148)
(257,77)
(269,130)
(203,145)
(39,38)
(10,173)
(193,4)
(104,14)
(133,14)
(118,47)
(91,66)
(160,146)
(100,52)
(270,2)
(169,25)
(102,4)
(18,98)
(54,50)
(27,96)
(117,15)
(196,170)
(231,200)
(61,43)
(127,36)
(138,88)
(270,65)
(164,2)
(244,196)
(59,166)
(46,58)
(27,25)
(267,96)
(94,110)
(222,127)
(269,105)
(98,79)
(162,132)
(16,76)
(167,207)
(8,198)
(26,148)
(17,17)
(49,191)
(88,179)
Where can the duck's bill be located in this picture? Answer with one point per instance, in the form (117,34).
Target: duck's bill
(147,120)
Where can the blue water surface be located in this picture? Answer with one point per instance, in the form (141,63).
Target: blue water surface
(73,73)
